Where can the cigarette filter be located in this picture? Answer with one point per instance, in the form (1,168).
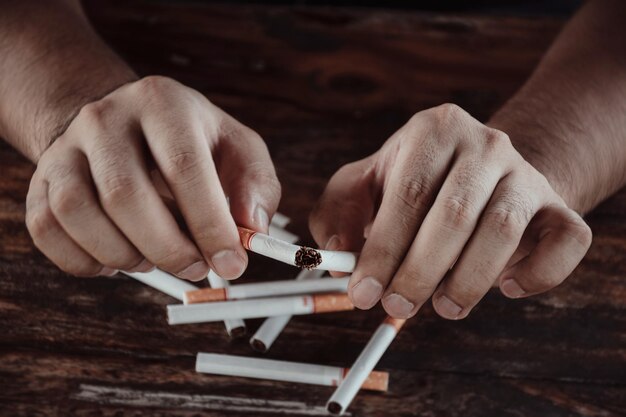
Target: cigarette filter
(234,327)
(300,256)
(273,326)
(367,360)
(164,282)
(256,308)
(305,373)
(267,289)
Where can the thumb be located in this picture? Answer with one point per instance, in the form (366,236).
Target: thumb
(248,177)
(346,207)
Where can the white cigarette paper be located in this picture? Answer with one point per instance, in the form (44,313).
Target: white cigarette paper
(267,289)
(299,256)
(273,326)
(234,327)
(282,234)
(367,360)
(280,220)
(305,373)
(164,282)
(257,308)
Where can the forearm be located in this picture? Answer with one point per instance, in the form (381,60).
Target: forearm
(51,64)
(569,119)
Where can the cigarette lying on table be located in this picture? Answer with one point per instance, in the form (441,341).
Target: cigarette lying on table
(300,256)
(257,308)
(234,327)
(267,289)
(273,326)
(367,360)
(163,282)
(282,234)
(218,364)
(280,220)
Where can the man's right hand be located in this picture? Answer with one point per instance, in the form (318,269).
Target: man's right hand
(93,208)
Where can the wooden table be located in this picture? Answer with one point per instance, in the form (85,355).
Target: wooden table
(323,87)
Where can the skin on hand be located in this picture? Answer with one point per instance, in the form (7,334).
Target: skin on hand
(450,208)
(93,207)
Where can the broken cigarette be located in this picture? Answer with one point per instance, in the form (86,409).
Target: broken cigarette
(367,360)
(257,308)
(218,364)
(234,327)
(266,289)
(164,282)
(273,326)
(300,256)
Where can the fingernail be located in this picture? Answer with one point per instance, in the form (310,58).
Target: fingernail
(228,264)
(511,288)
(261,218)
(397,306)
(143,266)
(194,272)
(448,308)
(366,293)
(108,272)
(334,243)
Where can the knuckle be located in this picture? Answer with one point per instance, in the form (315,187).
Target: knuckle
(580,231)
(496,141)
(39,223)
(65,199)
(458,213)
(448,114)
(154,87)
(95,114)
(506,223)
(268,180)
(181,167)
(413,192)
(117,188)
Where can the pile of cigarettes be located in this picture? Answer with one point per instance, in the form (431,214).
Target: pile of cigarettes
(278,301)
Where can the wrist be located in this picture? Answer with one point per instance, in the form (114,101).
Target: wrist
(541,147)
(61,107)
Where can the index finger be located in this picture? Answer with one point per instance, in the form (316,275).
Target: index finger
(181,151)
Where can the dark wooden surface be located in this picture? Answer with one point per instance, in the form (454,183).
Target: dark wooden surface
(323,87)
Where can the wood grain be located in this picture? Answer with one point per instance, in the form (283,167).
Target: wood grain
(323,86)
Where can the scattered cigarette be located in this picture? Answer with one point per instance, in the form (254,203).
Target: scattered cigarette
(280,220)
(273,326)
(282,234)
(300,256)
(163,282)
(266,289)
(257,308)
(218,364)
(234,327)
(367,360)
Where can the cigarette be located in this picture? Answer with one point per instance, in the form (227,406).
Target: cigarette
(282,234)
(280,220)
(367,360)
(267,289)
(257,308)
(305,373)
(300,256)
(273,326)
(234,327)
(164,282)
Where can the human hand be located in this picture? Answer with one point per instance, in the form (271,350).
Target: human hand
(93,208)
(449,208)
